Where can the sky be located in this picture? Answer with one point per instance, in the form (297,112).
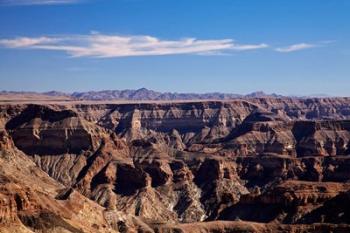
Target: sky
(234,46)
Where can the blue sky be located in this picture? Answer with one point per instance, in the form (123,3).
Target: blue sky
(289,47)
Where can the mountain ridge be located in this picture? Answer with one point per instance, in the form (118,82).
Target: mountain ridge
(143,94)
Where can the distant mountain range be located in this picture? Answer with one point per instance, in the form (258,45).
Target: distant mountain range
(139,94)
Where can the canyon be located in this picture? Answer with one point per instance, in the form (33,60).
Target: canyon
(241,165)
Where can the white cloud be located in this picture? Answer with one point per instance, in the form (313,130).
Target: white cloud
(295,47)
(99,45)
(36,2)
(250,47)
(24,42)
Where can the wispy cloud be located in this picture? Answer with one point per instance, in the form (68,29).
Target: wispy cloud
(296,47)
(104,46)
(36,2)
(23,42)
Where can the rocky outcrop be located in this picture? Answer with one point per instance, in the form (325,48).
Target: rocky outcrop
(322,138)
(286,202)
(249,227)
(41,130)
(31,201)
(334,210)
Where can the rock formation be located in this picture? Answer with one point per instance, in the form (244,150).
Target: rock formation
(260,164)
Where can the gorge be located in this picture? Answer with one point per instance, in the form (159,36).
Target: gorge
(241,165)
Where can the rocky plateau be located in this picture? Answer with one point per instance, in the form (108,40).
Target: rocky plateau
(241,165)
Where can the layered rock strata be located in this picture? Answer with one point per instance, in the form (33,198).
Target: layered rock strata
(165,167)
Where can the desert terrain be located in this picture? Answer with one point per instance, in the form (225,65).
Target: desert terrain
(257,164)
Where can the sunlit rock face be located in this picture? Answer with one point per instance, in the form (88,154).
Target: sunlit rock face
(169,167)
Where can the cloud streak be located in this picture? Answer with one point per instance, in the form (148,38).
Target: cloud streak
(295,47)
(108,46)
(36,2)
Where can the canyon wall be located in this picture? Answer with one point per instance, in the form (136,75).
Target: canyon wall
(165,167)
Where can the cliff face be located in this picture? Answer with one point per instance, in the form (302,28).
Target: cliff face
(264,160)
(31,201)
